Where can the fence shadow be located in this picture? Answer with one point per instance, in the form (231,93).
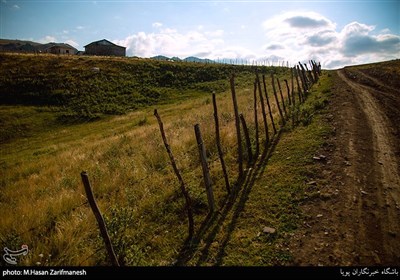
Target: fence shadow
(213,222)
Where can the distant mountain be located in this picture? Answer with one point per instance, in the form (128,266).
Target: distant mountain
(196,59)
(27,46)
(176,59)
(188,59)
(160,57)
(18,45)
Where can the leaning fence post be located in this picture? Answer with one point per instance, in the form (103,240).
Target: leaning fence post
(296,71)
(288,92)
(263,112)
(276,99)
(269,105)
(204,167)
(178,175)
(218,140)
(237,124)
(247,138)
(293,97)
(99,218)
(256,121)
(281,94)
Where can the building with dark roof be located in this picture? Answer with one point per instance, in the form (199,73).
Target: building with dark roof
(58,48)
(104,47)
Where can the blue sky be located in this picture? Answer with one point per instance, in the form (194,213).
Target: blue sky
(337,33)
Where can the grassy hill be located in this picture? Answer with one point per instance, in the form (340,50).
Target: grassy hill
(46,102)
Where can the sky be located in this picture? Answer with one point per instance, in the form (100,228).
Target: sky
(336,33)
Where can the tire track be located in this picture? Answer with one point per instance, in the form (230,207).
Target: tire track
(379,197)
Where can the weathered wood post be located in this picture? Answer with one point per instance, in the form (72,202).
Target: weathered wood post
(178,175)
(311,79)
(268,104)
(303,78)
(204,167)
(288,92)
(247,138)
(314,69)
(292,86)
(256,120)
(218,140)
(237,124)
(99,218)
(299,92)
(263,112)
(277,100)
(281,94)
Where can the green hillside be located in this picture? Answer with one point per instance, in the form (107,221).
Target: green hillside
(88,87)
(48,104)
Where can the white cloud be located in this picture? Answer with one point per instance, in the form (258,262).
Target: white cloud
(4,1)
(308,35)
(72,43)
(65,31)
(16,7)
(157,24)
(171,42)
(80,27)
(291,36)
(47,39)
(215,33)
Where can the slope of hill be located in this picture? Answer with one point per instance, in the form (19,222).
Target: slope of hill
(317,188)
(42,200)
(87,87)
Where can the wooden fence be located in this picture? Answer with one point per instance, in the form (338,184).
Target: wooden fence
(287,105)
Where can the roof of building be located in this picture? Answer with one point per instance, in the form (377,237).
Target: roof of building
(104,42)
(52,45)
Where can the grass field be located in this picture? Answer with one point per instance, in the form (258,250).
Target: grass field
(56,122)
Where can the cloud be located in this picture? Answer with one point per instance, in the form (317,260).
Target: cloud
(274,47)
(291,36)
(16,7)
(157,24)
(47,39)
(80,27)
(319,39)
(357,40)
(72,43)
(171,42)
(306,22)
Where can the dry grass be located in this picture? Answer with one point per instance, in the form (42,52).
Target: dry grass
(42,198)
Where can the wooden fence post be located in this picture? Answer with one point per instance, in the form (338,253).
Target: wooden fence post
(237,124)
(268,104)
(288,92)
(299,92)
(292,86)
(204,167)
(247,138)
(256,121)
(281,94)
(277,100)
(314,69)
(303,79)
(178,175)
(311,79)
(218,139)
(263,112)
(99,218)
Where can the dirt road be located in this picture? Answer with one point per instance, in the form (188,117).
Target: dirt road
(353,216)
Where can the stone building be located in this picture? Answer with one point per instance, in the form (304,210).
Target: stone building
(104,47)
(58,48)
